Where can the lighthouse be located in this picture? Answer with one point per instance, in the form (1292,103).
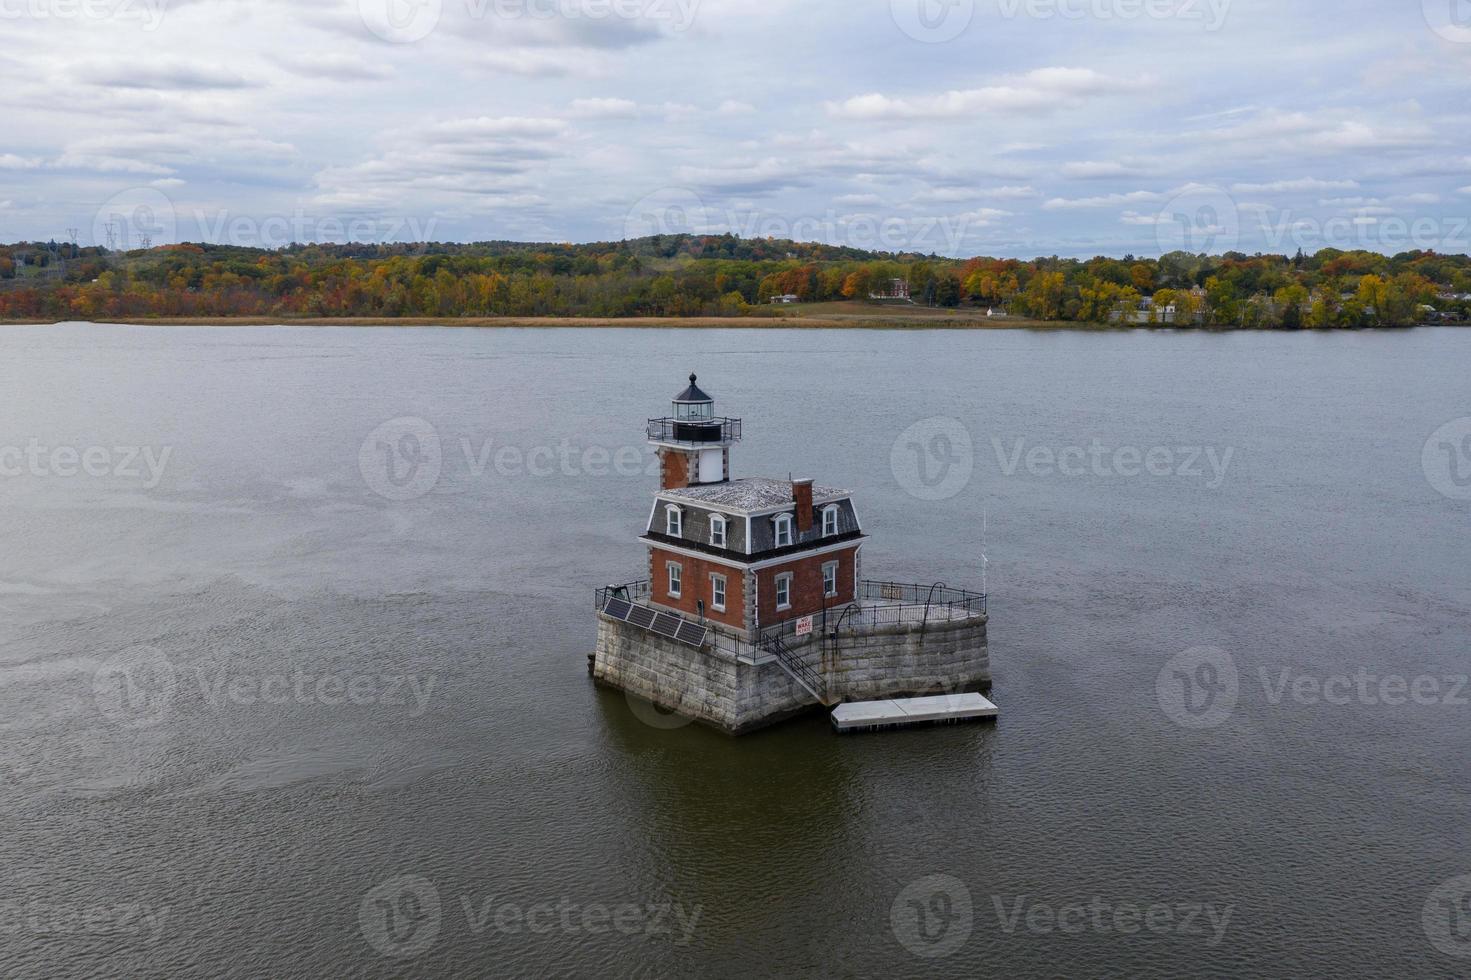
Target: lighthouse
(753,607)
(745,553)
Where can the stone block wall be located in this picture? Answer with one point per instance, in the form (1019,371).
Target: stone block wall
(712,687)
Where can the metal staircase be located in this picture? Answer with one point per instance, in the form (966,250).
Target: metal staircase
(795,667)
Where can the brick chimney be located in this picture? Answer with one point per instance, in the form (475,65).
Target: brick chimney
(674,469)
(802,497)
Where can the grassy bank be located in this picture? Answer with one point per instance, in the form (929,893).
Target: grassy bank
(944,320)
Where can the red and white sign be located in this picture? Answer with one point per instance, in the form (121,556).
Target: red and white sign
(804,626)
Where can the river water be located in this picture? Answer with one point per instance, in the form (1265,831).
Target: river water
(295,625)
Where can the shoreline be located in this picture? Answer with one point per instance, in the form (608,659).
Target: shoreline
(682,323)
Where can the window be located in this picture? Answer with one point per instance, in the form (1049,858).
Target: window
(830,579)
(717,531)
(674,519)
(676,580)
(717,593)
(829,522)
(784,531)
(784,591)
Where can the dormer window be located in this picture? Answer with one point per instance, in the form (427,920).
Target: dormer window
(784,530)
(674,522)
(717,531)
(829,522)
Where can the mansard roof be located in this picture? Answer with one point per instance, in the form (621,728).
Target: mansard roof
(750,495)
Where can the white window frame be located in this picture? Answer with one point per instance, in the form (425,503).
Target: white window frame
(674,522)
(830,512)
(674,581)
(721,525)
(785,578)
(718,592)
(784,523)
(830,569)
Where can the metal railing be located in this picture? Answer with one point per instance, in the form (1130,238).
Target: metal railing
(795,666)
(633,592)
(695,432)
(888,604)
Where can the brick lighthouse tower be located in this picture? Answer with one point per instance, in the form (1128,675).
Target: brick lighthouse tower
(744,553)
(753,608)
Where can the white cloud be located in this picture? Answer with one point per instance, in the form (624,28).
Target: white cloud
(1105,201)
(1042,90)
(1303,185)
(605,108)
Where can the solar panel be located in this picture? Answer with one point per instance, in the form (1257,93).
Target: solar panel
(667,625)
(692,634)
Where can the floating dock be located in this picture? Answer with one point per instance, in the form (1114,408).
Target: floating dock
(945,709)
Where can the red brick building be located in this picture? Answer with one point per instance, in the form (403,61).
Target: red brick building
(745,553)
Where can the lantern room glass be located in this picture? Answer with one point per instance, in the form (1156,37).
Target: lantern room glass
(694,411)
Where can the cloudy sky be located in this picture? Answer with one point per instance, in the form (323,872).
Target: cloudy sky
(1006,127)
